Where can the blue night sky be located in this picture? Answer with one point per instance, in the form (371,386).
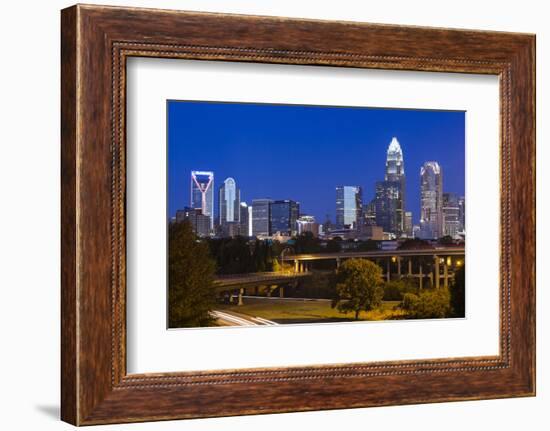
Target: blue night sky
(303,152)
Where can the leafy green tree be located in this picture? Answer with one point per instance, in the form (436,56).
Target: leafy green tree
(358,286)
(191,294)
(259,256)
(458,295)
(232,255)
(428,304)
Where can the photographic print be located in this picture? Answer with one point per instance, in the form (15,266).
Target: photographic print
(296,214)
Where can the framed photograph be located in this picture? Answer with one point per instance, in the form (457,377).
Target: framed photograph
(323,214)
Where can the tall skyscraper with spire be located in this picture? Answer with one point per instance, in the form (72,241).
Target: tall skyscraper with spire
(395,166)
(202,193)
(431,200)
(389,202)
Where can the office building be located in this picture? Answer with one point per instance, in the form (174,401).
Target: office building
(245,220)
(199,222)
(202,193)
(261,217)
(407,224)
(307,223)
(395,172)
(386,206)
(283,217)
(451,215)
(229,208)
(348,206)
(375,233)
(431,200)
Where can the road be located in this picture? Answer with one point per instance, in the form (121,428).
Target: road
(233,319)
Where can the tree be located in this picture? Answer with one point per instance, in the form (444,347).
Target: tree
(458,293)
(415,244)
(368,245)
(334,245)
(259,256)
(191,293)
(275,266)
(306,243)
(358,286)
(446,240)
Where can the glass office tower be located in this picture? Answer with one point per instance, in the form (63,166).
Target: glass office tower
(261,217)
(284,214)
(348,206)
(245,220)
(387,203)
(229,202)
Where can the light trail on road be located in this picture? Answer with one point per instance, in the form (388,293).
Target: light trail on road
(242,321)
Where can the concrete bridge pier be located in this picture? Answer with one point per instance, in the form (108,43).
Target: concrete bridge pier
(437,272)
(241,293)
(399,267)
(420,275)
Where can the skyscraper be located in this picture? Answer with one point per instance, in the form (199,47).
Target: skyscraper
(245,220)
(284,214)
(202,193)
(369,213)
(431,200)
(229,205)
(395,173)
(408,225)
(261,217)
(386,206)
(348,206)
(451,214)
(395,166)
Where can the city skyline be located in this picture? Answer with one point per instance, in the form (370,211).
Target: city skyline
(297,169)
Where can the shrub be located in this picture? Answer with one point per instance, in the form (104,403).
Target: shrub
(428,304)
(396,289)
(393,291)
